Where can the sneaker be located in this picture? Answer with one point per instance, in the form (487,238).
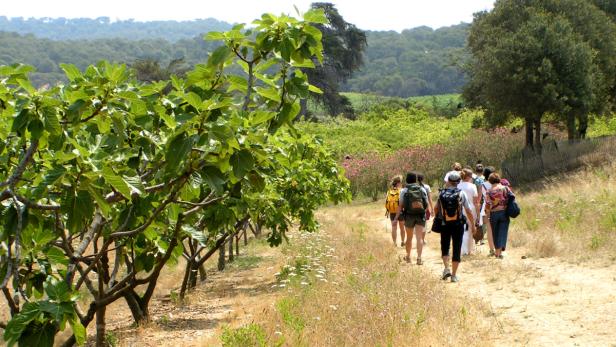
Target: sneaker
(419,261)
(491,253)
(501,256)
(454,278)
(446,273)
(407,259)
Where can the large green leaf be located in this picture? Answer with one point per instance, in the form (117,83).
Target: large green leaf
(19,322)
(242,162)
(178,151)
(117,182)
(79,331)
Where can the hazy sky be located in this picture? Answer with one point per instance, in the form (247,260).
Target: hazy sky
(366,14)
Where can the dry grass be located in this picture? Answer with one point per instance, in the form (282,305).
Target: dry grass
(572,215)
(366,298)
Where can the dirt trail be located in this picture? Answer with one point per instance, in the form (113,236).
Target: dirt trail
(230,298)
(537,302)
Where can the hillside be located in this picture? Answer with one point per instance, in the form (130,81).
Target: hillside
(419,61)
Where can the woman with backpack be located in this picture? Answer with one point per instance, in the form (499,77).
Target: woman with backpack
(496,210)
(430,210)
(449,220)
(391,207)
(413,205)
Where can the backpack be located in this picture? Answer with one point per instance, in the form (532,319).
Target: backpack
(392,201)
(513,209)
(451,204)
(415,202)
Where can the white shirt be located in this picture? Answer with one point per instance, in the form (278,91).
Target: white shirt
(470,190)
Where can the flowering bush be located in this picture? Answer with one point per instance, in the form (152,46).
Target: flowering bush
(370,174)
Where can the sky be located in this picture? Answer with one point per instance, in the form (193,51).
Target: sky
(368,15)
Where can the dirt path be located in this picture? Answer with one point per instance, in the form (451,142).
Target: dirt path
(228,298)
(537,302)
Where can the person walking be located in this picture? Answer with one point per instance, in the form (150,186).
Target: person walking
(391,209)
(470,190)
(449,206)
(412,205)
(485,187)
(430,210)
(496,206)
(455,168)
(478,180)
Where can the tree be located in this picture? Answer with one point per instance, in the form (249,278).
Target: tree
(343,49)
(527,62)
(105,180)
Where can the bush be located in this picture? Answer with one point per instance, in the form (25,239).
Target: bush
(369,175)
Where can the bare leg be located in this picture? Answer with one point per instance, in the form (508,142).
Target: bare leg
(409,242)
(446,261)
(419,237)
(402,231)
(394,232)
(454,267)
(486,221)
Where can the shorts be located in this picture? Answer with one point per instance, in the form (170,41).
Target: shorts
(411,220)
(392,216)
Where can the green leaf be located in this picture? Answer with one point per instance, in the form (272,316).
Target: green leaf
(19,322)
(214,178)
(219,56)
(269,93)
(256,181)
(116,181)
(315,89)
(57,290)
(20,121)
(214,36)
(178,151)
(193,100)
(56,256)
(262,117)
(162,113)
(316,16)
(52,124)
(36,127)
(79,331)
(100,201)
(39,335)
(135,184)
(71,71)
(242,162)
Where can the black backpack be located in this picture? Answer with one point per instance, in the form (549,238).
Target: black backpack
(415,202)
(451,204)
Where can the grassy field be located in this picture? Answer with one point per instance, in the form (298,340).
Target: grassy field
(346,286)
(572,215)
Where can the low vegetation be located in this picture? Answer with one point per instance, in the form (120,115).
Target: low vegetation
(357,292)
(572,215)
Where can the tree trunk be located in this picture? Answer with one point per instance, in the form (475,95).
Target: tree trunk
(245,237)
(538,147)
(100,326)
(529,133)
(136,307)
(231,258)
(202,273)
(237,244)
(221,258)
(583,127)
(571,131)
(303,111)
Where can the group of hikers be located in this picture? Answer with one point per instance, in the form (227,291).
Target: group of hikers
(471,205)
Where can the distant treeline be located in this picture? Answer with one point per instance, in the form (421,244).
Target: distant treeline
(103,28)
(418,61)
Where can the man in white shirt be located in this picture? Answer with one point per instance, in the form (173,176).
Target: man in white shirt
(470,190)
(455,168)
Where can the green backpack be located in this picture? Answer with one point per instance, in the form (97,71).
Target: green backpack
(415,202)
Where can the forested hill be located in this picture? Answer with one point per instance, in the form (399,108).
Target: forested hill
(415,62)
(418,61)
(104,28)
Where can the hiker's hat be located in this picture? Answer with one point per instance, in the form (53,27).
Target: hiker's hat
(454,177)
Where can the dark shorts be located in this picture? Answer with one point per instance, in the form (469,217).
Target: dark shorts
(392,216)
(411,220)
(452,233)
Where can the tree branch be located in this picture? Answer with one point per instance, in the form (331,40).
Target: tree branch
(22,165)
